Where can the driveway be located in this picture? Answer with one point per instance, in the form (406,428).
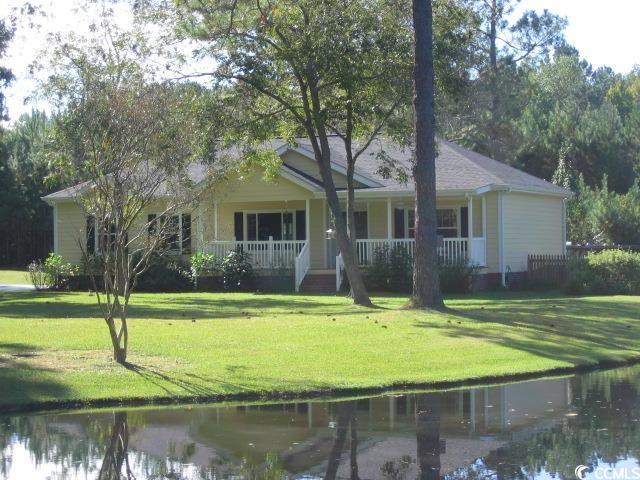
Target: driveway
(16,288)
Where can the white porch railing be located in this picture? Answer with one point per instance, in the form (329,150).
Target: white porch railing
(451,250)
(478,254)
(265,254)
(301,265)
(339,272)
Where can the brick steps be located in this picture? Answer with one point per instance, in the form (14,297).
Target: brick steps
(319,283)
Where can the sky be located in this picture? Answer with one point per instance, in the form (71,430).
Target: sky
(605,33)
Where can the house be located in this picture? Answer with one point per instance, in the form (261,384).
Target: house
(490,213)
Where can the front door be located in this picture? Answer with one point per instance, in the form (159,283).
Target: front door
(362,232)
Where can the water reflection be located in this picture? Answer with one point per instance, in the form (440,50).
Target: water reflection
(523,430)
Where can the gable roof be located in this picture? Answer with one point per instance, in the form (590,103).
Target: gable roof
(458,171)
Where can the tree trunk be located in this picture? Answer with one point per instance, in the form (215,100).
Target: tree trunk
(117,451)
(354,274)
(428,435)
(119,340)
(346,413)
(426,281)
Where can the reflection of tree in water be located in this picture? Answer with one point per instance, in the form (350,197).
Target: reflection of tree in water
(428,435)
(116,458)
(346,422)
(605,429)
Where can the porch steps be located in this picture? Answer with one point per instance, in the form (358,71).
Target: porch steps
(319,283)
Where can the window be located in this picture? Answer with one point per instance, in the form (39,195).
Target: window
(176,230)
(238,226)
(99,236)
(301,225)
(277,225)
(447,222)
(404,223)
(91,235)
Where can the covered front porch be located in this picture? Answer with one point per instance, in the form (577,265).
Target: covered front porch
(297,235)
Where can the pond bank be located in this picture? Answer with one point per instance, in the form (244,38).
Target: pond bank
(544,428)
(211,347)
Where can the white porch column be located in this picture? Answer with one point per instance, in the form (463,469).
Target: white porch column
(215,221)
(389,233)
(470,228)
(307,221)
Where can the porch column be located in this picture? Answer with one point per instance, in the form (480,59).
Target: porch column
(389,234)
(307,220)
(470,228)
(215,221)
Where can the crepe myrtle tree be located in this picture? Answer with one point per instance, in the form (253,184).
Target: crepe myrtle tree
(305,68)
(131,140)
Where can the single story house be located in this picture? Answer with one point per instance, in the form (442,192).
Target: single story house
(490,213)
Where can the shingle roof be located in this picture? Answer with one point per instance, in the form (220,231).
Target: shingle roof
(457,169)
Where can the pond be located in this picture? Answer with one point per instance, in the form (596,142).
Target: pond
(535,429)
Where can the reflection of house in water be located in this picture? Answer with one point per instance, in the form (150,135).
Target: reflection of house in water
(472,423)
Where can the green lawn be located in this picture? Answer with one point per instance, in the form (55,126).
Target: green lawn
(54,347)
(14,277)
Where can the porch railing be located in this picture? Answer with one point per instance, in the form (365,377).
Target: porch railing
(302,263)
(264,254)
(451,250)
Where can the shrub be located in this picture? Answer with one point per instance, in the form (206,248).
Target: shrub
(391,270)
(203,264)
(237,272)
(606,272)
(53,273)
(458,277)
(38,275)
(165,274)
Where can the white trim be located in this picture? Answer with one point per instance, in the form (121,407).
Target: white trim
(519,189)
(501,259)
(307,220)
(389,223)
(325,214)
(564,226)
(470,219)
(484,226)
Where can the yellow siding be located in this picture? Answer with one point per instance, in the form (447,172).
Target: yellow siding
(492,233)
(532,224)
(377,219)
(70,228)
(253,188)
(317,233)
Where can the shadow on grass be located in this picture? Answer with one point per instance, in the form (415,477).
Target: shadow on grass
(29,305)
(575,330)
(20,382)
(189,383)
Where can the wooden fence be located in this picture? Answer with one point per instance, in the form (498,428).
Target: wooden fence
(547,270)
(583,250)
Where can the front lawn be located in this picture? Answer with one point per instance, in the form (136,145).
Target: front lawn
(53,346)
(19,277)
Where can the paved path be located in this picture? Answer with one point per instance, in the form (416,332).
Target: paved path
(16,288)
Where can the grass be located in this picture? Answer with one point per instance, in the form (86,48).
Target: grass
(54,347)
(14,277)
